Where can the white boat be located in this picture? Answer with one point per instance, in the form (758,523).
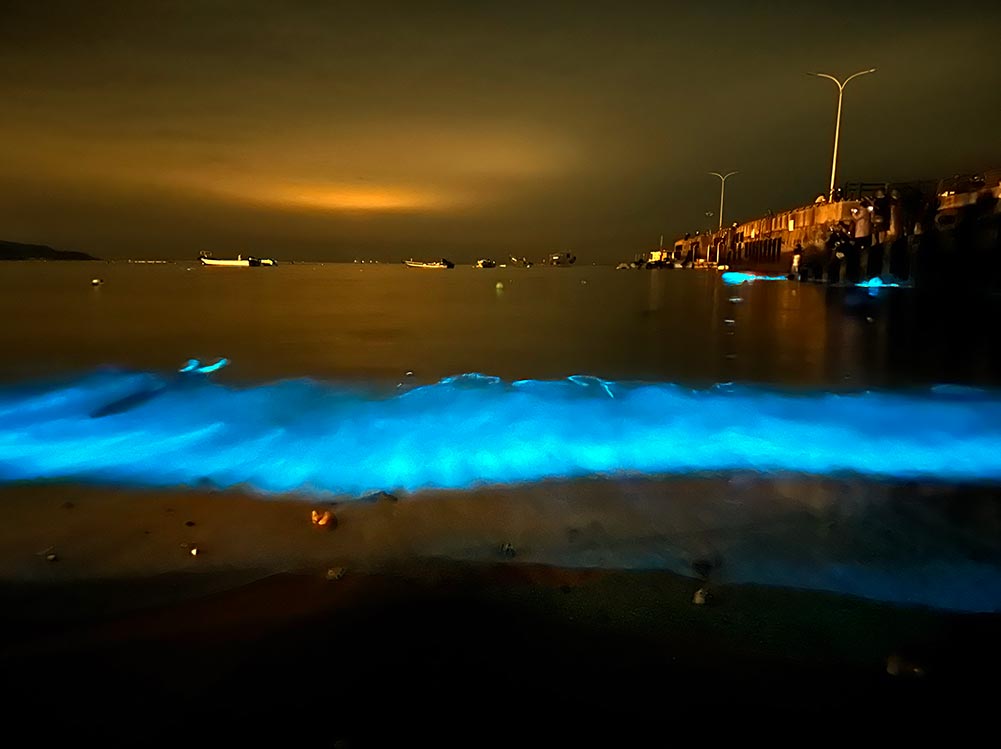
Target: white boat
(438,264)
(240,262)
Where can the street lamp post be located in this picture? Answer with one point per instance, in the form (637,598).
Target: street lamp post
(722,191)
(837,124)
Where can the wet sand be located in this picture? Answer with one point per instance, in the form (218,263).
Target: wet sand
(429,632)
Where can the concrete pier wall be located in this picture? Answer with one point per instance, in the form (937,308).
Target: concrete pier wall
(871,234)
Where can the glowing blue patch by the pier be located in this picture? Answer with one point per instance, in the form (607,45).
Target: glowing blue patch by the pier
(736,278)
(876,284)
(468,430)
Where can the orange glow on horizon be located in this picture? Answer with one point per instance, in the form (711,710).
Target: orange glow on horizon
(352,198)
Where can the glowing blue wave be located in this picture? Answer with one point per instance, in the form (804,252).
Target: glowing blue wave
(193,366)
(144,429)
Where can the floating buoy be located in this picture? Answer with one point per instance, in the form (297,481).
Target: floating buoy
(194,551)
(96,281)
(499,286)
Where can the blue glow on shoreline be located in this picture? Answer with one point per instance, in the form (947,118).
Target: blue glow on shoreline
(468,430)
(736,278)
(877,284)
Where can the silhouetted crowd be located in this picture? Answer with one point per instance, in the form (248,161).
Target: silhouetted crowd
(903,234)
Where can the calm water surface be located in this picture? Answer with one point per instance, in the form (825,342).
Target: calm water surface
(375,322)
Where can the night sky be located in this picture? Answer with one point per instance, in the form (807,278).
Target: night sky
(334,130)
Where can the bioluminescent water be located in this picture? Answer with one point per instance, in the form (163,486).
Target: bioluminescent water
(737,278)
(878,283)
(319,437)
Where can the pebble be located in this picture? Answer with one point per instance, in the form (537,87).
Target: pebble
(324,519)
(51,557)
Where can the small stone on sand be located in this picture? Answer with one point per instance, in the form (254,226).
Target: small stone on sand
(324,519)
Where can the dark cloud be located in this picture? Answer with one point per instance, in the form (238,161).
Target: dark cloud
(325,129)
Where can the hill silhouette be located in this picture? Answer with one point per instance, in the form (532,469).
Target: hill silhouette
(19,251)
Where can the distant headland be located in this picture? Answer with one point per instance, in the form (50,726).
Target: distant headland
(18,251)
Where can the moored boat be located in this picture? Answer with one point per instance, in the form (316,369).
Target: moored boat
(437,264)
(240,261)
(561,258)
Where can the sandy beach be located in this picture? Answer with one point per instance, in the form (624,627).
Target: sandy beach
(423,614)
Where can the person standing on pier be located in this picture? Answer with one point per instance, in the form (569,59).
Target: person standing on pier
(881,217)
(859,258)
(797,254)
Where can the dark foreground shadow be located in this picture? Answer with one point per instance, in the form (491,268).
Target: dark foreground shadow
(446,654)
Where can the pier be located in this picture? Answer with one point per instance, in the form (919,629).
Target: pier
(912,231)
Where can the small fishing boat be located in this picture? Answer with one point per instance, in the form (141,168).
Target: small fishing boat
(485,263)
(561,258)
(240,262)
(437,264)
